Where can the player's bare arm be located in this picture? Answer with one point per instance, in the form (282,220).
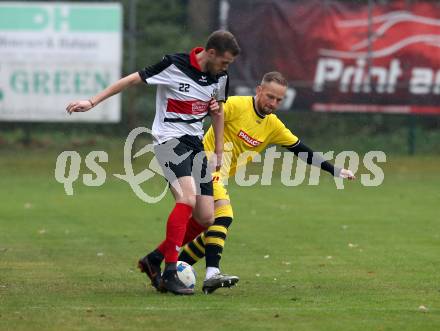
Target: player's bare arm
(217,116)
(115,88)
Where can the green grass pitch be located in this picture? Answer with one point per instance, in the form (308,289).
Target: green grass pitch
(309,257)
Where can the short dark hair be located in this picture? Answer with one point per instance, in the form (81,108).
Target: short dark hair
(223,41)
(274,76)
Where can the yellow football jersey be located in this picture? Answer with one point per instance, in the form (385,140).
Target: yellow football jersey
(246,131)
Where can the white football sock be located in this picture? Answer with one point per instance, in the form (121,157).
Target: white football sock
(211,271)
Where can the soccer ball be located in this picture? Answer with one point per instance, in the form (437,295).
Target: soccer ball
(186,274)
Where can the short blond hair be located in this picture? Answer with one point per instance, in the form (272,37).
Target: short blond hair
(274,76)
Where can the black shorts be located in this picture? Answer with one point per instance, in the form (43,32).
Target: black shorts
(185,156)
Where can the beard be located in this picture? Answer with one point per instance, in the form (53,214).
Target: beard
(262,110)
(267,110)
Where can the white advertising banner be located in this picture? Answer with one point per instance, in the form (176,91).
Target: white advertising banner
(55,53)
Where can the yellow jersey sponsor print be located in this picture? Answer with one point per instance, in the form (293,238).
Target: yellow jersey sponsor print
(246,131)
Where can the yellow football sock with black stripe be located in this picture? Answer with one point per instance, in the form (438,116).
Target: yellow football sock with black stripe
(194,250)
(215,241)
(210,243)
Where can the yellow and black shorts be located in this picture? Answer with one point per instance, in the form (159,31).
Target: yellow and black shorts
(220,192)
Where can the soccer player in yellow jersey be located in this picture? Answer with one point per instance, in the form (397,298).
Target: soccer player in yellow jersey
(250,125)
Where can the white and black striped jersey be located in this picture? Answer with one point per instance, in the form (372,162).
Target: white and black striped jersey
(182,96)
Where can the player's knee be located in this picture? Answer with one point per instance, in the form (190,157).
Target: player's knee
(206,222)
(205,219)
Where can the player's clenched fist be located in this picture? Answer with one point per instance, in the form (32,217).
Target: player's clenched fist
(347,174)
(214,107)
(79,106)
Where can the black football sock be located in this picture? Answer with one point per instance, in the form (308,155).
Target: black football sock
(170,267)
(215,241)
(156,257)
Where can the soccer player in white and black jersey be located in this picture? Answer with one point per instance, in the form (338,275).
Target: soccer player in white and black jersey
(189,87)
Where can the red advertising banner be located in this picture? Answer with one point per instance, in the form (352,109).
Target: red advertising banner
(343,57)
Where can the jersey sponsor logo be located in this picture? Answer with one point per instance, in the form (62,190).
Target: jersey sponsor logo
(248,139)
(190,107)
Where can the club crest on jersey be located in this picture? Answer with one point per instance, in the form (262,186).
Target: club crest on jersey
(214,93)
(248,139)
